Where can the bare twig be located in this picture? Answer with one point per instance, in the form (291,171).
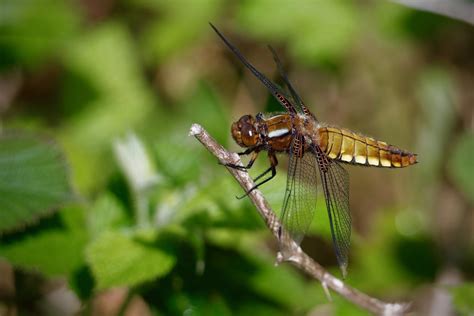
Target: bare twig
(290,251)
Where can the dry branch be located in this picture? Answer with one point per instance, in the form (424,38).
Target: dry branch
(290,251)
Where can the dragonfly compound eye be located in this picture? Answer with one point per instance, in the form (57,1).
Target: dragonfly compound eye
(244,132)
(249,135)
(236,133)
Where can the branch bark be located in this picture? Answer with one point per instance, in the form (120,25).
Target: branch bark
(289,250)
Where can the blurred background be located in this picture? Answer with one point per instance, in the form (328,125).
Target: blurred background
(108,207)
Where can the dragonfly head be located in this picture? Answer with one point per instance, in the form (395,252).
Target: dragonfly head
(244,131)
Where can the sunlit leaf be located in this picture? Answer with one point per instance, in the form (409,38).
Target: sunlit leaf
(53,251)
(106,213)
(119,260)
(33,179)
(218,208)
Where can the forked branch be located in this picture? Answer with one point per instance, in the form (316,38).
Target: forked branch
(290,251)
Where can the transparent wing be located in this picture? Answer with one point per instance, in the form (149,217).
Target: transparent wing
(274,89)
(335,183)
(299,203)
(299,105)
(296,98)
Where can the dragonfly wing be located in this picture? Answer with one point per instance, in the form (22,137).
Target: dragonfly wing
(335,183)
(296,98)
(279,95)
(299,203)
(281,70)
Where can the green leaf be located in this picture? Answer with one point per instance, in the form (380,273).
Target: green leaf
(210,207)
(33,180)
(106,213)
(463,298)
(119,260)
(53,248)
(461,168)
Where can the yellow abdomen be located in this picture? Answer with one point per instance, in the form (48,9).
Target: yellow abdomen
(347,146)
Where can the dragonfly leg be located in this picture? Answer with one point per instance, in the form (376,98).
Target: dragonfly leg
(247,151)
(249,165)
(272,168)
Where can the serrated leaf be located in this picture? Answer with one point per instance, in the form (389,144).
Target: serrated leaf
(33,180)
(52,253)
(461,167)
(53,249)
(119,260)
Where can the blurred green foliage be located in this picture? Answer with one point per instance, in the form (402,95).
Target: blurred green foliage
(461,166)
(131,201)
(33,31)
(462,296)
(332,23)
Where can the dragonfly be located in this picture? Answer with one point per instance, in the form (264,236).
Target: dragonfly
(316,151)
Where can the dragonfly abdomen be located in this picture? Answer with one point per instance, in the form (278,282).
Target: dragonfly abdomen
(346,146)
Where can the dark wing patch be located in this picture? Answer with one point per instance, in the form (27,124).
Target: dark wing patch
(299,203)
(335,183)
